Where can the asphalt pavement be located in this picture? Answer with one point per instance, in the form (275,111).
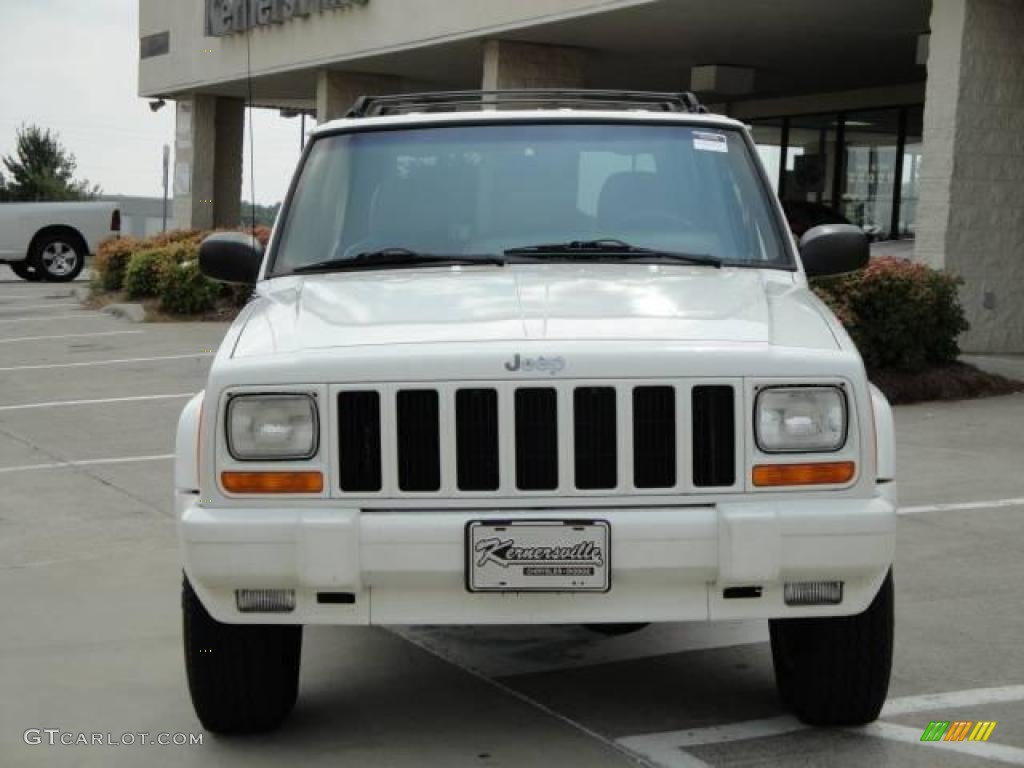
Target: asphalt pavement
(90,637)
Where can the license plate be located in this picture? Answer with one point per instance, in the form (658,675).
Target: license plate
(538,556)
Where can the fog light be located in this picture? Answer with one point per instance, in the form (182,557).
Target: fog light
(813,593)
(265,600)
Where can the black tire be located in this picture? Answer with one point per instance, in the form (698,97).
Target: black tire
(835,671)
(242,678)
(58,257)
(26,272)
(615,630)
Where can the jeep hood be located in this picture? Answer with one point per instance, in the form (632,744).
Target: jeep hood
(548,302)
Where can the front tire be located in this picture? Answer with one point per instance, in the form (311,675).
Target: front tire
(835,670)
(25,272)
(242,678)
(58,258)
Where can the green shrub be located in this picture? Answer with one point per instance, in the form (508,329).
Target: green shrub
(184,290)
(111,262)
(145,270)
(902,316)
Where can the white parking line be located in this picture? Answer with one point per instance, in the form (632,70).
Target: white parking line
(86,463)
(41,318)
(68,336)
(33,307)
(667,748)
(977,697)
(983,749)
(963,507)
(32,297)
(95,363)
(104,401)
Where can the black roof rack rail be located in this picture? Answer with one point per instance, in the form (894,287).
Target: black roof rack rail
(540,98)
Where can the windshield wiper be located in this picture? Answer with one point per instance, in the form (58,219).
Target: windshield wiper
(398,258)
(611,248)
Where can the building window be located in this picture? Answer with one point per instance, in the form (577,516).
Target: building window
(770,138)
(910,182)
(811,160)
(864,167)
(155,45)
(870,145)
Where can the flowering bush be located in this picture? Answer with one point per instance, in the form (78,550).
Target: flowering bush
(111,262)
(146,269)
(184,290)
(902,316)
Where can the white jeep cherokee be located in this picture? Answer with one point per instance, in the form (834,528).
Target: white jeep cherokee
(535,358)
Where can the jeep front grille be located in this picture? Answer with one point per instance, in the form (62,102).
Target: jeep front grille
(419,441)
(654,437)
(537,439)
(714,437)
(504,439)
(596,452)
(359,442)
(476,439)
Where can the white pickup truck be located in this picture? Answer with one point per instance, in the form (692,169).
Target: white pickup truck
(50,241)
(556,363)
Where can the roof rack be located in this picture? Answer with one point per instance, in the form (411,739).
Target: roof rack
(470,101)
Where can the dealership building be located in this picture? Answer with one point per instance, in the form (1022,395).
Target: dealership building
(905,116)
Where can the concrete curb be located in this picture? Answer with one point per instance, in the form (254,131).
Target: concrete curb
(133,313)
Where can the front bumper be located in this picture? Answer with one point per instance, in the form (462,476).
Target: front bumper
(668,564)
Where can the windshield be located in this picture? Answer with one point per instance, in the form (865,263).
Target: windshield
(486,190)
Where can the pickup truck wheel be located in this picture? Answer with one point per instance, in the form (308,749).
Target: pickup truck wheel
(835,671)
(242,678)
(25,272)
(58,258)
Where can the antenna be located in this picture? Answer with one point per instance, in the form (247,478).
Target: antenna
(252,133)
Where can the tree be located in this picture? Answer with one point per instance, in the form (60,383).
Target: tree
(265,215)
(41,169)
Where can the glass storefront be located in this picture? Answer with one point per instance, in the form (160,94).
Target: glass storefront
(862,167)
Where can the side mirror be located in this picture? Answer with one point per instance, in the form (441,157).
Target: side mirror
(231,257)
(834,249)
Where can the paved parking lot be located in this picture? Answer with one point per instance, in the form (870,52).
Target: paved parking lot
(89,618)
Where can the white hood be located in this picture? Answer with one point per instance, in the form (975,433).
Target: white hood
(549,302)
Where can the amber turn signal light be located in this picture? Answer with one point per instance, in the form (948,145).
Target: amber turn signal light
(272,482)
(777,475)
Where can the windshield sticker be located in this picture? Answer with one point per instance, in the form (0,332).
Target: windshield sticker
(710,142)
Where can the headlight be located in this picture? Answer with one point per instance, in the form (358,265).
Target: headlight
(800,419)
(272,427)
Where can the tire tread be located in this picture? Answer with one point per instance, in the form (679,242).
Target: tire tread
(836,670)
(242,678)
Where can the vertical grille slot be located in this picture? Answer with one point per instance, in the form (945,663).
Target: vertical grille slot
(419,441)
(359,441)
(476,439)
(595,438)
(714,436)
(536,439)
(654,437)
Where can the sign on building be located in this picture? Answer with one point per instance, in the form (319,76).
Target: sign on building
(231,17)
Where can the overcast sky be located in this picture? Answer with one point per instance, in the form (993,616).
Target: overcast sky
(72,65)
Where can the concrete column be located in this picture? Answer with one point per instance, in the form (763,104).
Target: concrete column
(511,65)
(336,92)
(971,212)
(208,162)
